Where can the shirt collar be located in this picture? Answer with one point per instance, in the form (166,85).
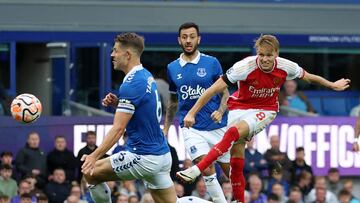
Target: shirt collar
(194,61)
(133,70)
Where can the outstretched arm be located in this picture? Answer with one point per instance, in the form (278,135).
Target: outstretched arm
(170,112)
(338,85)
(121,120)
(217,87)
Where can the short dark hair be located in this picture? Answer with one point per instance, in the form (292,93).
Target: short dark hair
(59,169)
(131,40)
(6,153)
(188,25)
(90,132)
(29,175)
(304,174)
(6,167)
(273,196)
(4,197)
(344,192)
(33,133)
(59,136)
(42,197)
(333,170)
(295,189)
(300,149)
(25,196)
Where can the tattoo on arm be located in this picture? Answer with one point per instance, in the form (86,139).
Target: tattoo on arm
(223,103)
(170,112)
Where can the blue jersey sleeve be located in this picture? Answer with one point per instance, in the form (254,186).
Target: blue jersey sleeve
(130,95)
(172,86)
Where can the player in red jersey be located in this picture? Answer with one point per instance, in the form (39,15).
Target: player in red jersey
(252,107)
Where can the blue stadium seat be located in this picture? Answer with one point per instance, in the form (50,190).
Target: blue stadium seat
(351,102)
(317,104)
(335,106)
(333,103)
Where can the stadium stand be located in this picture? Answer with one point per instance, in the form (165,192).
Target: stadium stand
(331,103)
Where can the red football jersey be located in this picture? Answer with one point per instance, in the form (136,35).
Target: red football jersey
(259,89)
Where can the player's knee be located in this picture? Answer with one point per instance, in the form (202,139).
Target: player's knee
(91,179)
(243,129)
(238,150)
(242,139)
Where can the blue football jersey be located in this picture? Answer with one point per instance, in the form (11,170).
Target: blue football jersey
(138,95)
(189,81)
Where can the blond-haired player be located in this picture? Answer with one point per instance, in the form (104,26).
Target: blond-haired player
(252,107)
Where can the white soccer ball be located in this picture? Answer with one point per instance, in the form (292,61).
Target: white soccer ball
(26,108)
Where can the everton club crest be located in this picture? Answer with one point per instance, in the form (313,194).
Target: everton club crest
(201,72)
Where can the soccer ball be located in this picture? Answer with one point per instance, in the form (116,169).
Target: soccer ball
(26,108)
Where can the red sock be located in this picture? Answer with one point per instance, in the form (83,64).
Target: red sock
(237,178)
(220,148)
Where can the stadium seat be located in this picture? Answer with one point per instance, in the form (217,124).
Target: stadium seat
(351,102)
(333,103)
(317,104)
(335,106)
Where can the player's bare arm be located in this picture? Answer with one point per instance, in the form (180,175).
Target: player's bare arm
(170,112)
(217,115)
(338,85)
(120,122)
(110,100)
(357,134)
(218,87)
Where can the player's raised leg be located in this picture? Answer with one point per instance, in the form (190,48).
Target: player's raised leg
(102,172)
(198,144)
(231,136)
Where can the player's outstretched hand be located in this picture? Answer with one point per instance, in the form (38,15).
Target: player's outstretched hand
(189,120)
(341,84)
(356,147)
(216,116)
(88,165)
(110,100)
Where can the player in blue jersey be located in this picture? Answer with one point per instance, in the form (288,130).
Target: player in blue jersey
(189,76)
(147,155)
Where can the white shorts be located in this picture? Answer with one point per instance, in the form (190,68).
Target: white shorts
(198,143)
(256,119)
(154,170)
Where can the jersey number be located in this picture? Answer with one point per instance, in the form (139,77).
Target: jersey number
(158,106)
(260,116)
